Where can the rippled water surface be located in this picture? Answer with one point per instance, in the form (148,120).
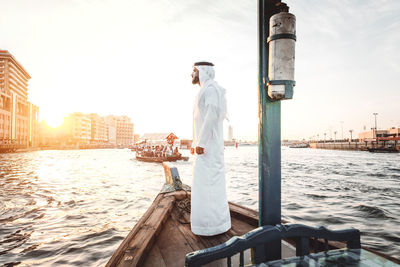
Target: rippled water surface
(73,208)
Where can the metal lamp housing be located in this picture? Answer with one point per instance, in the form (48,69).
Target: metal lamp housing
(281,40)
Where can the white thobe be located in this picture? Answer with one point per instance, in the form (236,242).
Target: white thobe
(209,205)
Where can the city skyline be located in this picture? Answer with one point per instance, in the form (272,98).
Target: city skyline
(88,130)
(135,58)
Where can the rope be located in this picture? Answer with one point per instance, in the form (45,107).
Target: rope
(183,206)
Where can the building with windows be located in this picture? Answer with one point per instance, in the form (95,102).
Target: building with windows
(79,128)
(392,132)
(18,117)
(136,138)
(111,125)
(34,131)
(99,131)
(124,130)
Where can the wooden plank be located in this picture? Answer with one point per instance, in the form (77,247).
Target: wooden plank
(197,242)
(224,237)
(250,215)
(154,258)
(141,243)
(193,240)
(115,258)
(173,245)
(140,240)
(201,242)
(240,227)
(211,241)
(243,213)
(144,239)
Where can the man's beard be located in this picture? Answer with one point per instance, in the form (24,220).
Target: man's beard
(195,80)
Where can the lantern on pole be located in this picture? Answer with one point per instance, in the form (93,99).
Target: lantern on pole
(281,40)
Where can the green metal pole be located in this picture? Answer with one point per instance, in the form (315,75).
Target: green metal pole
(269,137)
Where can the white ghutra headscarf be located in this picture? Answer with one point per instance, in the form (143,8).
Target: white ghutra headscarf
(206,78)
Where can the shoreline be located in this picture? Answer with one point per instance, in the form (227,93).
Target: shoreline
(356,146)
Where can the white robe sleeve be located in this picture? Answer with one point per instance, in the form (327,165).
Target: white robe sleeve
(210,118)
(194,138)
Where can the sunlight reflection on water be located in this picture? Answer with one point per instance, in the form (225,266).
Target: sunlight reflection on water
(75,207)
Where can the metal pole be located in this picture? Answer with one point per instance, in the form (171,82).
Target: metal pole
(376,129)
(269,137)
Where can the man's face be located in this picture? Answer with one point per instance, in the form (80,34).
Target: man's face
(195,76)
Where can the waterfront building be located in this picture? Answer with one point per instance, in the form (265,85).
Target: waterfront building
(79,128)
(33,135)
(18,117)
(124,130)
(370,135)
(136,138)
(395,132)
(111,125)
(99,131)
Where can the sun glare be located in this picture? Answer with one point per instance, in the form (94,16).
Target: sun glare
(54,121)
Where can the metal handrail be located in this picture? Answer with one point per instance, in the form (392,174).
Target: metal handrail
(261,236)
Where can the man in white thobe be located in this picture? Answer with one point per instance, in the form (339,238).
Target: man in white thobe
(209,205)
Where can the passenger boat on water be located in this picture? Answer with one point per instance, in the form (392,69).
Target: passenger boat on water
(142,157)
(383,150)
(299,145)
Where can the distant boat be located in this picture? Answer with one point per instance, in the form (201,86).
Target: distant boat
(383,150)
(299,145)
(160,159)
(246,144)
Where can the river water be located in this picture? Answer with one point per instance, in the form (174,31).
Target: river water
(73,208)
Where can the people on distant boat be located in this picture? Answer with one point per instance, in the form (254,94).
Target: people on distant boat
(176,152)
(158,151)
(209,205)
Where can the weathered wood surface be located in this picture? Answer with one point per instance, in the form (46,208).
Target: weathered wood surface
(159,239)
(139,241)
(177,239)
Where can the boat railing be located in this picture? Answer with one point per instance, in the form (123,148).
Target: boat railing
(260,237)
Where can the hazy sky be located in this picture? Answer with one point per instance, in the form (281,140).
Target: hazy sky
(134,57)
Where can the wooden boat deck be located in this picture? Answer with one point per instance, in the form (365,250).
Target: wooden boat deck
(161,237)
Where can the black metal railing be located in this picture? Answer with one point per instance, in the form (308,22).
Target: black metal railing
(260,237)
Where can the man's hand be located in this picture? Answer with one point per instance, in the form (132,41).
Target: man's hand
(192,150)
(199,150)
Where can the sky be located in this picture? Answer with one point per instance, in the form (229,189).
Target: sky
(135,57)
